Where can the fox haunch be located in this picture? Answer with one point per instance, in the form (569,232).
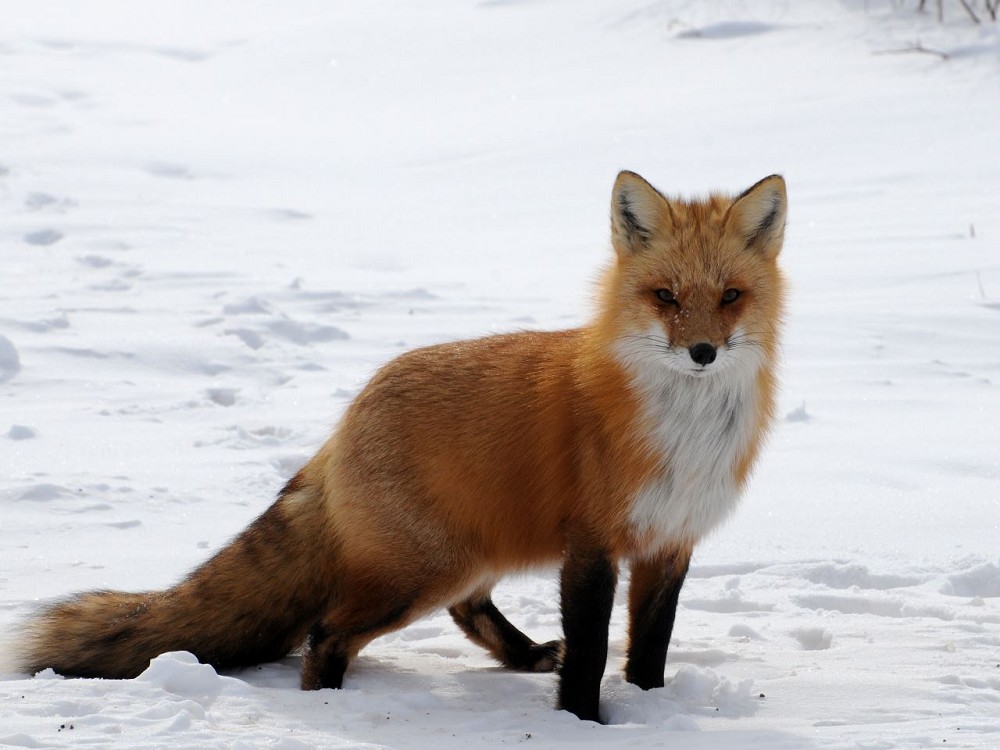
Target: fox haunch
(623,441)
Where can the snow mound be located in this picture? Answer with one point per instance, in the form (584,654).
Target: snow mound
(48,674)
(181,674)
(981,580)
(693,690)
(702,687)
(813,639)
(624,703)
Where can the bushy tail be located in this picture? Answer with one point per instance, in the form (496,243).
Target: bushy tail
(252,602)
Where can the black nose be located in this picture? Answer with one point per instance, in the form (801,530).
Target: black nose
(703,354)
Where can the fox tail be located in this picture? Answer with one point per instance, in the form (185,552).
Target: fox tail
(254,601)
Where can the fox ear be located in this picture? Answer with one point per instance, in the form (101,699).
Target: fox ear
(757,216)
(638,210)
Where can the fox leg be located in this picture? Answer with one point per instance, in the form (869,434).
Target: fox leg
(587,584)
(653,593)
(325,659)
(342,633)
(485,626)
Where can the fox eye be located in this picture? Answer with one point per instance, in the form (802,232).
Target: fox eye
(730,295)
(665,295)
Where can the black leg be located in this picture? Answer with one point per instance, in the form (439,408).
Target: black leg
(588,591)
(325,660)
(484,624)
(653,593)
(341,634)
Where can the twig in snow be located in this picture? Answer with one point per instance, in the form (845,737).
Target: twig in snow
(968,10)
(917,47)
(991,7)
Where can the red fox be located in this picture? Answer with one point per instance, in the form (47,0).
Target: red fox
(626,440)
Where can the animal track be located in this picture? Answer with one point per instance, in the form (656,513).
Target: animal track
(852,605)
(43,493)
(47,202)
(871,605)
(848,575)
(169,171)
(222,396)
(10,361)
(265,321)
(94,261)
(43,237)
(729,604)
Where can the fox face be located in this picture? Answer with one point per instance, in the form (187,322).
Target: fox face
(695,286)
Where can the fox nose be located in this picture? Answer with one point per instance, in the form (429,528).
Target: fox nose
(702,354)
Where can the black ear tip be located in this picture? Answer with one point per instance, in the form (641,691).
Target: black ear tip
(626,179)
(775,181)
(774,184)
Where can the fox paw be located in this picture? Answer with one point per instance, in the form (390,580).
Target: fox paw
(545,657)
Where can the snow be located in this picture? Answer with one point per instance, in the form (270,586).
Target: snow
(221,217)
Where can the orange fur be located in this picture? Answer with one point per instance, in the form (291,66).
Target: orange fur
(462,462)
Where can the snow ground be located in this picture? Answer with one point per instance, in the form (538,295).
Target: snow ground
(221,217)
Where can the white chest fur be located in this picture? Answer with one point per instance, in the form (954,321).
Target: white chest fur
(700,428)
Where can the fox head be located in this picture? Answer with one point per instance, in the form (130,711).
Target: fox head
(695,286)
